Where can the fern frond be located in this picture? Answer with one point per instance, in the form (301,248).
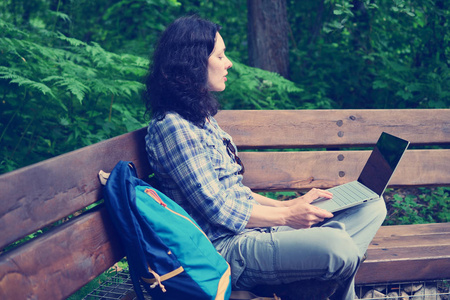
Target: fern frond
(77,88)
(20,80)
(134,65)
(135,60)
(267,90)
(60,15)
(128,87)
(101,57)
(10,29)
(117,87)
(102,86)
(72,41)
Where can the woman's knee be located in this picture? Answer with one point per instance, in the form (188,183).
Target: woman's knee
(342,245)
(380,208)
(343,254)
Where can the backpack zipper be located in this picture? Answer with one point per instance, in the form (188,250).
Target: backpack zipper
(156,197)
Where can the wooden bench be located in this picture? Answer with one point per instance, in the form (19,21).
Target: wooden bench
(66,257)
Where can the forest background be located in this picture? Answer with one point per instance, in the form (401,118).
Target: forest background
(71,71)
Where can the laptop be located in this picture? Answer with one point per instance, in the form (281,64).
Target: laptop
(373,179)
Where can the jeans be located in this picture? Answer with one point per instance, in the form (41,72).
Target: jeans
(331,250)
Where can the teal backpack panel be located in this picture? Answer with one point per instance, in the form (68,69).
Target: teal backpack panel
(168,254)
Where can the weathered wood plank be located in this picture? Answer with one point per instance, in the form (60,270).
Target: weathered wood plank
(407,252)
(411,241)
(51,190)
(323,169)
(333,128)
(414,230)
(405,264)
(61,261)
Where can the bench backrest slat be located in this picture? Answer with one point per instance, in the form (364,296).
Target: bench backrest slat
(276,171)
(51,190)
(61,261)
(333,128)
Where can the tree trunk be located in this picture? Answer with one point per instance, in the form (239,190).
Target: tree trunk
(268,45)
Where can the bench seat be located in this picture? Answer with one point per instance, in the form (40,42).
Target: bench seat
(407,253)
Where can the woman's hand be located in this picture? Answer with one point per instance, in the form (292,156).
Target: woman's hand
(296,213)
(313,194)
(302,214)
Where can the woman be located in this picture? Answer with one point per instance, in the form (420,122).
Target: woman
(266,242)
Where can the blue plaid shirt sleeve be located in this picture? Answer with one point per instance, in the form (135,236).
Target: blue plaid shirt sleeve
(222,202)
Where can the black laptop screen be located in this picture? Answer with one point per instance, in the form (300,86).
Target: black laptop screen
(382,162)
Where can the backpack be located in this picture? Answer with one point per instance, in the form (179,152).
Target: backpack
(167,252)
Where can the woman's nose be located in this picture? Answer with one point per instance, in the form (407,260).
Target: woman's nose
(229,65)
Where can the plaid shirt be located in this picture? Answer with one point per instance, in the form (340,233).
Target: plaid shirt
(194,169)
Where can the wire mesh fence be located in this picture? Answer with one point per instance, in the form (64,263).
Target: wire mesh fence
(119,286)
(417,290)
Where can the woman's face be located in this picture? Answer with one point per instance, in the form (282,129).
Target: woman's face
(218,65)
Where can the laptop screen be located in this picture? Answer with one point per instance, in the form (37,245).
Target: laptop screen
(382,162)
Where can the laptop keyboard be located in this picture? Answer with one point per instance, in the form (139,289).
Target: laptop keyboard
(350,192)
(344,195)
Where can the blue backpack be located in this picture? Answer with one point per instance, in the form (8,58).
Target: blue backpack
(167,251)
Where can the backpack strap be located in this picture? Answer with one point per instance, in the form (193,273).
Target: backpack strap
(245,295)
(159,278)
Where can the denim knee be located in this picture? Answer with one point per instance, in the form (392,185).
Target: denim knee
(380,209)
(343,255)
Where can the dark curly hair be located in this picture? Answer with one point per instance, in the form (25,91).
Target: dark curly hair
(178,75)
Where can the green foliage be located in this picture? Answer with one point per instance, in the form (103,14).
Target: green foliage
(392,54)
(59,94)
(252,88)
(280,195)
(425,206)
(138,23)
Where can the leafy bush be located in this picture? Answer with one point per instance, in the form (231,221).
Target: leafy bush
(418,206)
(367,54)
(59,94)
(252,88)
